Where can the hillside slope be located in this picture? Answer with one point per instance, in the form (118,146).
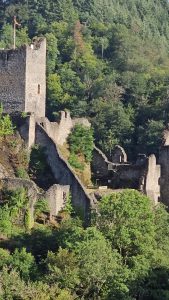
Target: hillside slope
(107,60)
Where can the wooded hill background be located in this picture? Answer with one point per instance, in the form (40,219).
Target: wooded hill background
(107,60)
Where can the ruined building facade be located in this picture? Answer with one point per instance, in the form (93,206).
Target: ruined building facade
(23,79)
(143,175)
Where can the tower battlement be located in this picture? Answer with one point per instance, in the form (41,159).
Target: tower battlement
(23,79)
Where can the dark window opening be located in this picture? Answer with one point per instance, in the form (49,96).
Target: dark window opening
(38,89)
(64,198)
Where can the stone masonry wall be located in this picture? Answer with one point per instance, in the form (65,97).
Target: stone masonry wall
(164,180)
(57,196)
(64,128)
(12,79)
(60,131)
(125,176)
(35,90)
(99,164)
(114,175)
(63,174)
(23,79)
(152,181)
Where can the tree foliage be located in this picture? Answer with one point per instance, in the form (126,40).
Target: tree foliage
(6,126)
(122,255)
(81,141)
(102,63)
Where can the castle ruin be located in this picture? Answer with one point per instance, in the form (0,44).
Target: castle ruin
(23,89)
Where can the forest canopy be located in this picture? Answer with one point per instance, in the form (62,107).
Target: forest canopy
(123,255)
(107,60)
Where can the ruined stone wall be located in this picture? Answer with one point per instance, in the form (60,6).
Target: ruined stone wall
(63,174)
(12,79)
(35,93)
(27,130)
(125,176)
(152,180)
(52,128)
(81,121)
(59,131)
(65,127)
(99,164)
(115,175)
(164,180)
(119,155)
(57,196)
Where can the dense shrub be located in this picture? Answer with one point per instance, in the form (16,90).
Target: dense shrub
(81,142)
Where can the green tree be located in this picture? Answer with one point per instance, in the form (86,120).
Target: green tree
(7,36)
(41,206)
(151,134)
(56,96)
(129,221)
(52,52)
(24,263)
(126,219)
(63,268)
(81,141)
(18,200)
(113,125)
(5,221)
(5,258)
(96,251)
(13,287)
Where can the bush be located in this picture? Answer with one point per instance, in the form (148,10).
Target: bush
(68,207)
(81,141)
(73,161)
(6,127)
(5,221)
(15,210)
(21,173)
(37,160)
(24,263)
(41,206)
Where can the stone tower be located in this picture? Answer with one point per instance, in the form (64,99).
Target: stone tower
(23,79)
